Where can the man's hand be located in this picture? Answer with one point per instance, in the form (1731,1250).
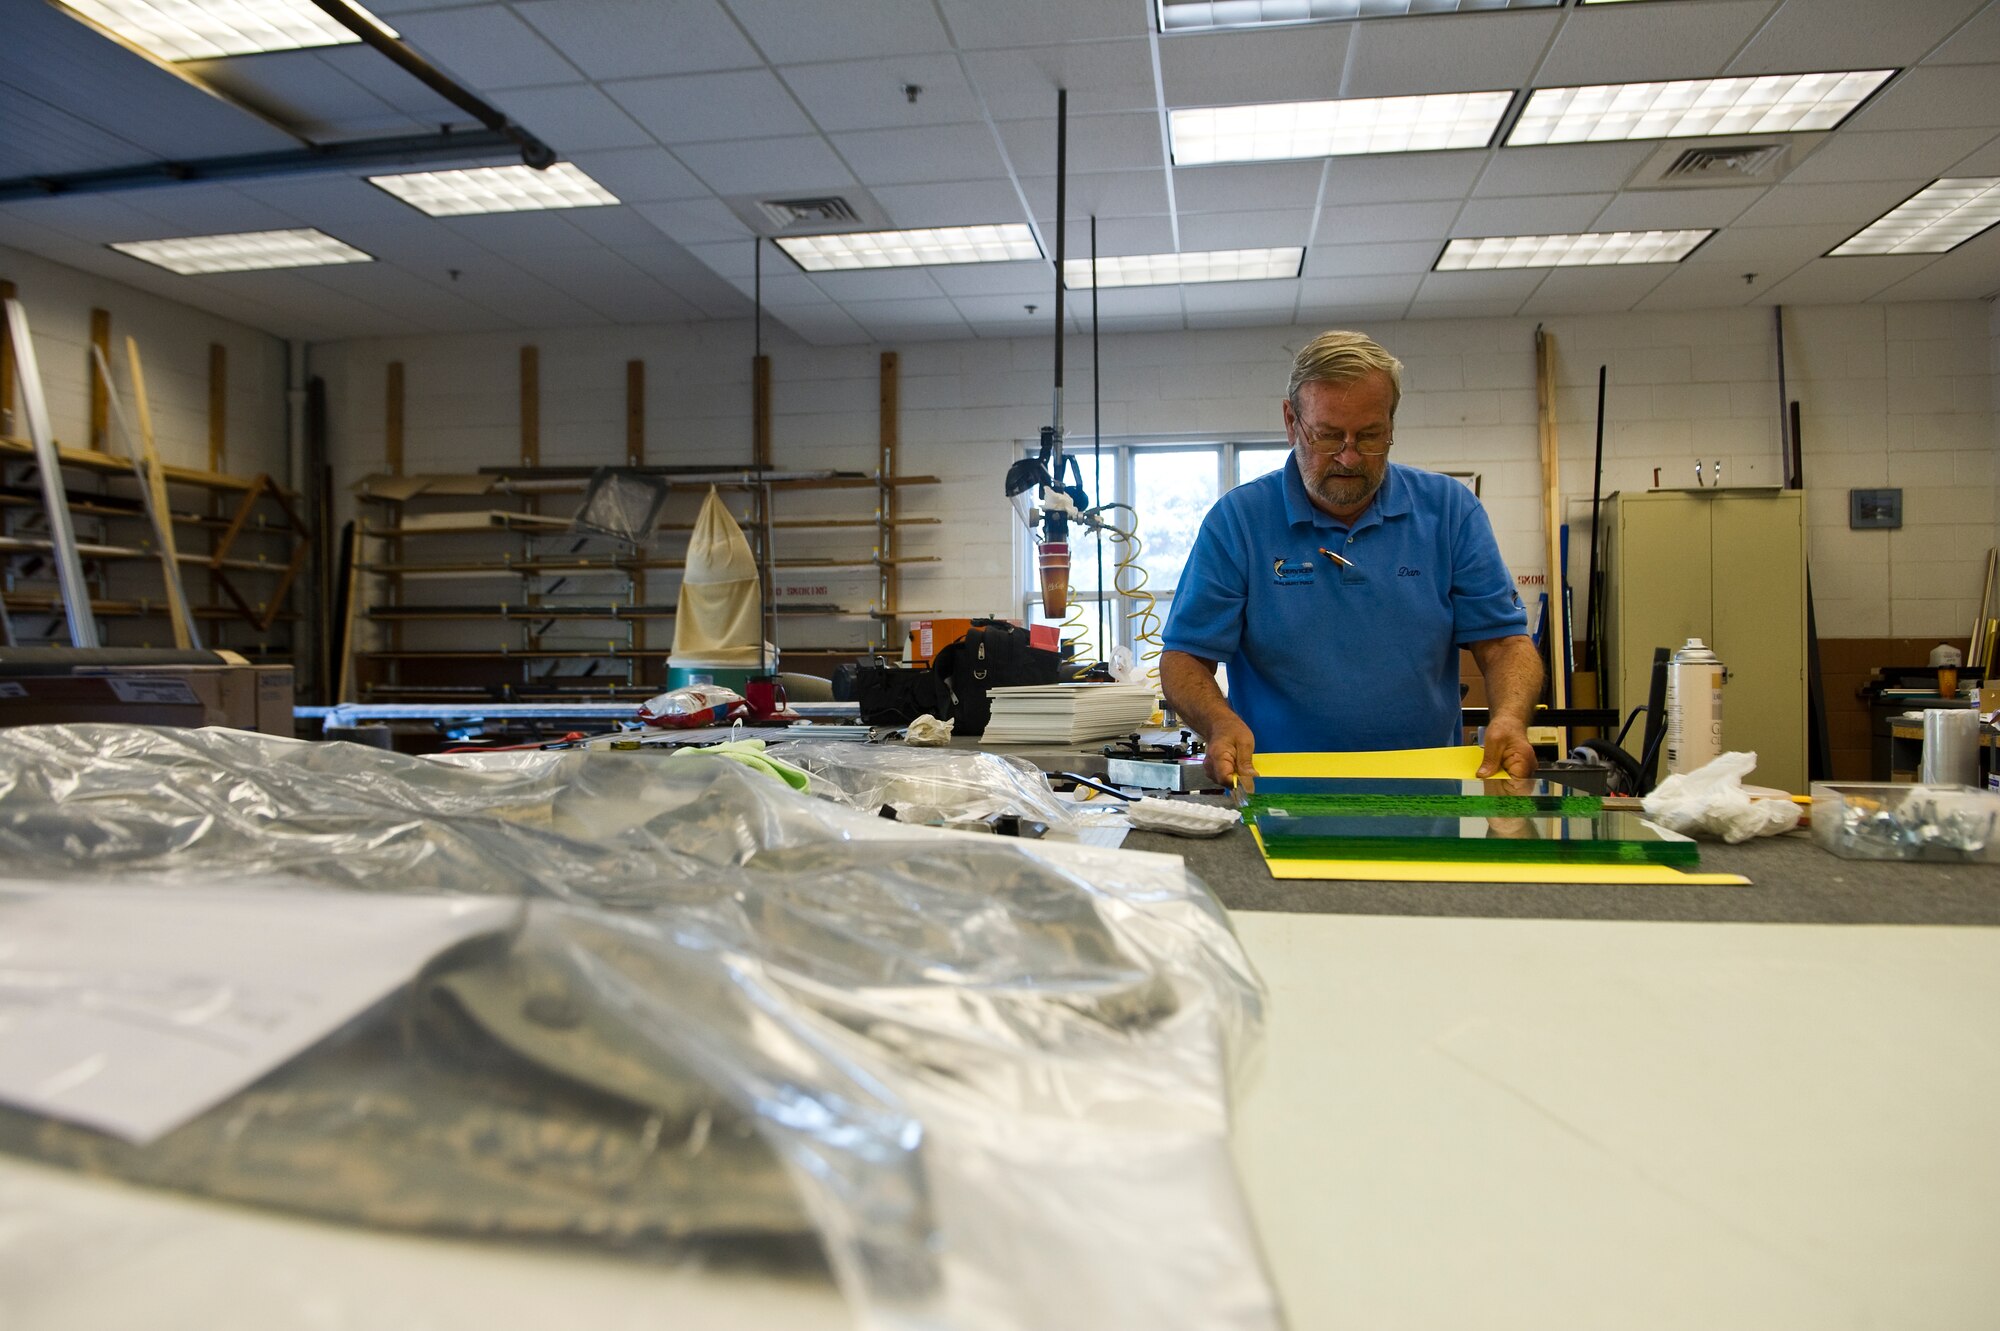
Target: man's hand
(1189,684)
(1507,750)
(1231,753)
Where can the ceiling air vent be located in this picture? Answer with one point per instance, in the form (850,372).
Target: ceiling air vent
(825,211)
(1746,162)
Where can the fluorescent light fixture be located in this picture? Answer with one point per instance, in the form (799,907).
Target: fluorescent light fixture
(912,249)
(1586,250)
(1219,15)
(496,189)
(1149,270)
(244,251)
(1274,131)
(206,29)
(1941,216)
(1689,108)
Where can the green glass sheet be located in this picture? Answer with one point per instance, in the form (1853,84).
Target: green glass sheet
(1460,821)
(1458,799)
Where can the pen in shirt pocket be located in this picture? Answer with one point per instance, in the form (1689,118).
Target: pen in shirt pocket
(1341,560)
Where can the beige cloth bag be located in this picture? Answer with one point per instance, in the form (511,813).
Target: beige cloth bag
(716,619)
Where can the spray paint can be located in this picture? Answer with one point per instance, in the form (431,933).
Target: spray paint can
(1694,707)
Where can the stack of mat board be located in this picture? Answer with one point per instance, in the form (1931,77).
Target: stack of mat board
(1065,713)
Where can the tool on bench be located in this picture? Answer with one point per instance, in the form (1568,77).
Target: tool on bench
(1169,766)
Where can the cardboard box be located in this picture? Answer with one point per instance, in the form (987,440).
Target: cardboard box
(243,697)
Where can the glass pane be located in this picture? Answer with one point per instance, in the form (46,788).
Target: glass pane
(1173,489)
(1254,462)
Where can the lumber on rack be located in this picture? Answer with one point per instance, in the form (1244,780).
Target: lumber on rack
(1545,393)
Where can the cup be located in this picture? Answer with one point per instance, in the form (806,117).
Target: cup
(1951,747)
(1053,558)
(1947,681)
(765,695)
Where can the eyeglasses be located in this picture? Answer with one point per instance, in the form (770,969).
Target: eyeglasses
(1368,443)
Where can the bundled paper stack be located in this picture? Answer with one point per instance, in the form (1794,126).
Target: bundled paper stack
(1064,713)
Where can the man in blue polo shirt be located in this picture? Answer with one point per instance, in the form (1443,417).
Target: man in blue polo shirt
(1339,590)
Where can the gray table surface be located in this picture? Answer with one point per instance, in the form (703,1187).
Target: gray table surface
(1792,881)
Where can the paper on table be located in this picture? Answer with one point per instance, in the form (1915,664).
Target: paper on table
(133,1009)
(1459,763)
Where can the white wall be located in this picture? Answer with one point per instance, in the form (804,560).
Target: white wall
(173,345)
(1900,395)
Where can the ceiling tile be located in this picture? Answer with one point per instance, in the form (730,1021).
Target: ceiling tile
(1011,312)
(689,276)
(1106,194)
(964,203)
(313,96)
(1674,210)
(889,319)
(618,39)
(1384,222)
(1635,43)
(1026,278)
(1300,64)
(488,48)
(1333,292)
(1216,297)
(99,219)
(204,209)
(1506,288)
(1565,169)
(1850,34)
(1403,177)
(1970,272)
(1102,77)
(1096,143)
(1136,302)
(694,221)
(733,259)
(1769,249)
(1549,215)
(518,233)
(44,140)
(1594,290)
(704,108)
(983,23)
(1853,155)
(1846,281)
(1246,230)
(616,227)
(1221,189)
(782,167)
(1983,162)
(1977,43)
(1328,258)
(1116,235)
(1702,286)
(641,175)
(1856,204)
(574,118)
(1448,53)
(1940,97)
(824,326)
(869,94)
(913,156)
(875,284)
(795,31)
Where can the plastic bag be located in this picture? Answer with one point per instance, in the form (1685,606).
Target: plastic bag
(1711,801)
(692,705)
(928,732)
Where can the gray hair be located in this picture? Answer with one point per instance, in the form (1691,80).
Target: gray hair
(1341,358)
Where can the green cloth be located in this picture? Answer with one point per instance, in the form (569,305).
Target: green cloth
(750,753)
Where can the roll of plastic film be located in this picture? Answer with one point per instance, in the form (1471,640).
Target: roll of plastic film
(1694,707)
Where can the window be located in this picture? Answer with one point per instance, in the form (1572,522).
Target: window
(1170,487)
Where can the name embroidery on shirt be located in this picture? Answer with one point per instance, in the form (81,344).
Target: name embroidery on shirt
(1291,572)
(1405,571)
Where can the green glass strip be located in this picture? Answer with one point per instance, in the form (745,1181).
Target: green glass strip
(1446,806)
(1489,850)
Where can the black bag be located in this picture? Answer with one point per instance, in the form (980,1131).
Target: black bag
(895,695)
(993,654)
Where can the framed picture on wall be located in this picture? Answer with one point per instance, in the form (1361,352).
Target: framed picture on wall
(1874,508)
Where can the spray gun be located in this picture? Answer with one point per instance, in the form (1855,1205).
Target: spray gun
(1046,507)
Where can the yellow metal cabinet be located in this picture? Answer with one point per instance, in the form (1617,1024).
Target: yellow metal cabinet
(1728,567)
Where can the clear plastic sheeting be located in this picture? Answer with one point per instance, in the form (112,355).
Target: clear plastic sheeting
(989,1079)
(622,505)
(927,787)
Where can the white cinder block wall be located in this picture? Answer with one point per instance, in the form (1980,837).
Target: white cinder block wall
(1898,395)
(173,345)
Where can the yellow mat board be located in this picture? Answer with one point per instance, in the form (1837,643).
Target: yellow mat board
(1447,764)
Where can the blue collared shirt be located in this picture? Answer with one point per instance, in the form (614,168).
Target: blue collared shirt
(1325,658)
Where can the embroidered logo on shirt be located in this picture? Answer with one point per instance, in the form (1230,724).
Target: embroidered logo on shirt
(1405,571)
(1291,572)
